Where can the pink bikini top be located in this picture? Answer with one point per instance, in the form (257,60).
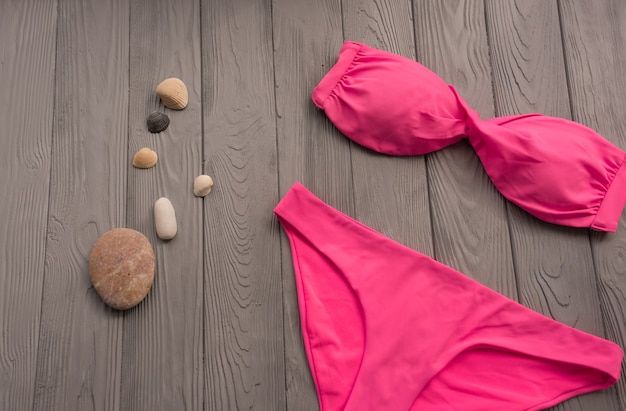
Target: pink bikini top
(557,170)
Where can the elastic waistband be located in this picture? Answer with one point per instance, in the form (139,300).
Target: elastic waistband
(326,86)
(612,205)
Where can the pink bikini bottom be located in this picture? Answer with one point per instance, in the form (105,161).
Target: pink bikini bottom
(388,328)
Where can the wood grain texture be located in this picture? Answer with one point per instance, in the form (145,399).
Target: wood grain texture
(163,345)
(79,359)
(554,265)
(307,39)
(391,193)
(469,216)
(593,37)
(27,63)
(527,58)
(221,327)
(243,289)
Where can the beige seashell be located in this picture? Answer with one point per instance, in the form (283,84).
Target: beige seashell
(165,219)
(202,185)
(173,93)
(145,158)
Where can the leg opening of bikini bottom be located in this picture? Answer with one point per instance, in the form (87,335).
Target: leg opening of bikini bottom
(331,322)
(489,378)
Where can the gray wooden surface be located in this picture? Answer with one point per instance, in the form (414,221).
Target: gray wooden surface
(220,329)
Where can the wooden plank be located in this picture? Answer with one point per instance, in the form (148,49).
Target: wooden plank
(27,62)
(79,359)
(469,216)
(307,39)
(592,32)
(396,188)
(163,346)
(243,290)
(554,264)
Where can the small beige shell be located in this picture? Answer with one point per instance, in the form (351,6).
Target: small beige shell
(173,93)
(145,158)
(202,185)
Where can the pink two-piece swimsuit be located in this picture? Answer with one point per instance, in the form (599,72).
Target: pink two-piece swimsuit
(388,328)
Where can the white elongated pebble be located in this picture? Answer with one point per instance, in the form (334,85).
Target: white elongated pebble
(165,219)
(202,185)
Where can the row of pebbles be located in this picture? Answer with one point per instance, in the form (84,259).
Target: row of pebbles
(121,263)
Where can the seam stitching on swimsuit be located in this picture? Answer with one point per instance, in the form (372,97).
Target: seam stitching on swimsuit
(608,189)
(332,90)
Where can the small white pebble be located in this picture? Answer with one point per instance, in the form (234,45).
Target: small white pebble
(202,185)
(165,219)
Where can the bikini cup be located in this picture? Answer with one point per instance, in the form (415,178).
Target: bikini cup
(557,170)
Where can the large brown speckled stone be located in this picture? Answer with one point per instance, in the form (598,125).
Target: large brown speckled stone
(121,267)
